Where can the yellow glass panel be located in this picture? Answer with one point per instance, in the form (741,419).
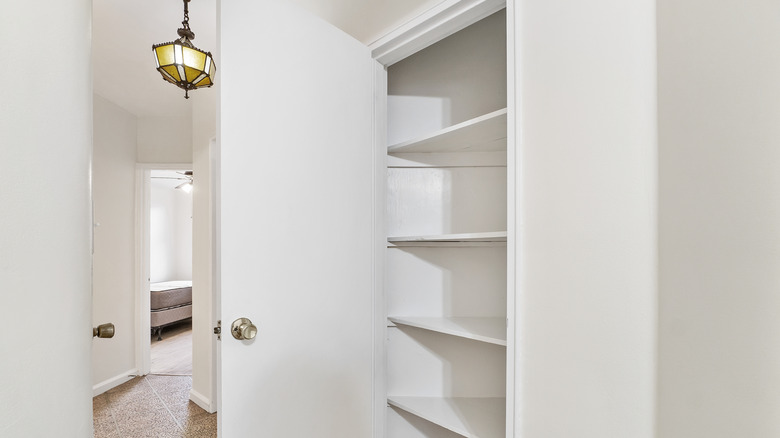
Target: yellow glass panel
(191,73)
(171,69)
(164,54)
(194,58)
(166,76)
(204,83)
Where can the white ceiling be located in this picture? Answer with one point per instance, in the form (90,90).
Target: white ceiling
(123,32)
(123,66)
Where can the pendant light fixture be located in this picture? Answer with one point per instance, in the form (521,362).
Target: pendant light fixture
(181,63)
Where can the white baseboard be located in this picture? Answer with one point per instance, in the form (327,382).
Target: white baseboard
(113,382)
(202,401)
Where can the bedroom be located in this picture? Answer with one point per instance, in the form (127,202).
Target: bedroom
(170,271)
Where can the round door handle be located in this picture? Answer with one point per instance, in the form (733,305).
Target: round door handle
(243,329)
(103,331)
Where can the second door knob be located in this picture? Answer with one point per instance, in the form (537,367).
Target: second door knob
(243,329)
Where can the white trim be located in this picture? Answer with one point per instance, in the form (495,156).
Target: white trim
(430,27)
(514,230)
(380,180)
(202,401)
(113,382)
(142,316)
(216,291)
(164,166)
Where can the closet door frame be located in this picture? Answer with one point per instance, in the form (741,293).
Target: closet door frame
(428,28)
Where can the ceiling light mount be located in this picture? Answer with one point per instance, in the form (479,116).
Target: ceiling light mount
(181,63)
(186,187)
(185,31)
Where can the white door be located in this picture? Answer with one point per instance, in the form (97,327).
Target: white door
(45,221)
(297,186)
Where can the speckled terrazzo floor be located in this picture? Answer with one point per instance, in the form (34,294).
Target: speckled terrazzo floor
(152,406)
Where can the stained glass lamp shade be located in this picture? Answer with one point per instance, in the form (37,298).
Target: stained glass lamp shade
(181,63)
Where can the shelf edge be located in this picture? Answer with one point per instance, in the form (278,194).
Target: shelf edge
(462,334)
(399,147)
(400,403)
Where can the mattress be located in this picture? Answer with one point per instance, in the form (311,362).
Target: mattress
(170,294)
(163,285)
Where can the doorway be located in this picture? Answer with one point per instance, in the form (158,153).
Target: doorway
(157,400)
(163,266)
(158,390)
(170,272)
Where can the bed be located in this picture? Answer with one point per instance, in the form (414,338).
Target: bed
(171,302)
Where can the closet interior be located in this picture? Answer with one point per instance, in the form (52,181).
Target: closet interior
(446,223)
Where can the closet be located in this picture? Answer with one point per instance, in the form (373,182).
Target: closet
(445,271)
(371,248)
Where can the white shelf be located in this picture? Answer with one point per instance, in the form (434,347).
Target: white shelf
(490,330)
(470,417)
(439,239)
(484,133)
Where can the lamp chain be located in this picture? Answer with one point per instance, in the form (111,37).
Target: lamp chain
(186,22)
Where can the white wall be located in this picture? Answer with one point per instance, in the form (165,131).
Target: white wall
(165,139)
(204,116)
(719,199)
(170,231)
(120,140)
(113,277)
(587,279)
(45,224)
(454,80)
(367,20)
(183,234)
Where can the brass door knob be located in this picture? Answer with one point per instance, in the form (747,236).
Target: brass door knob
(243,329)
(103,331)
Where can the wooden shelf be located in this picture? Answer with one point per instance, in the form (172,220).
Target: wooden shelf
(469,417)
(492,237)
(481,134)
(490,330)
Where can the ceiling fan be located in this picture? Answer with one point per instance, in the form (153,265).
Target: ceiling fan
(186,176)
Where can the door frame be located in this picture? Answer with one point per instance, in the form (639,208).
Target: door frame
(216,278)
(143,173)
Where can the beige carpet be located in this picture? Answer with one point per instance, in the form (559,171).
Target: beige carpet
(173,355)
